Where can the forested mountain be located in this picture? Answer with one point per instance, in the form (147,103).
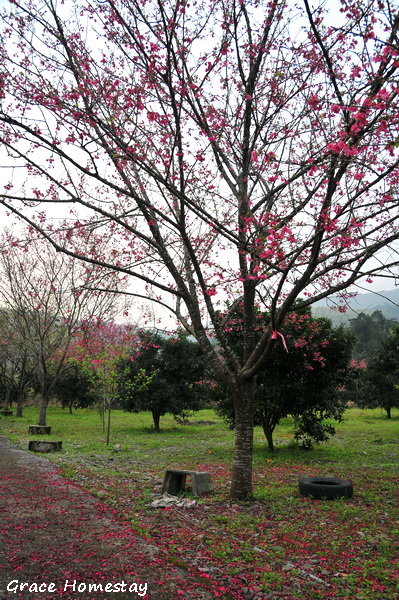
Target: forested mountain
(386,301)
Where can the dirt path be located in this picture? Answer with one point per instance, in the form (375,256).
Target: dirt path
(59,541)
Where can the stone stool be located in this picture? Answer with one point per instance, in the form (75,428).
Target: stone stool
(175,482)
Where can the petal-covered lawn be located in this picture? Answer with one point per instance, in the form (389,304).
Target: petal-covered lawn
(286,546)
(280,546)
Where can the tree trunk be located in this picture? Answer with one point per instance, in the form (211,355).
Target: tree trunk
(156,418)
(109,423)
(268,431)
(6,405)
(269,422)
(20,403)
(389,416)
(241,484)
(43,410)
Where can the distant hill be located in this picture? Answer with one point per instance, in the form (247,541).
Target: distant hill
(386,301)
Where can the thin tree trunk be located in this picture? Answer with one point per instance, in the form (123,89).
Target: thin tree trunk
(109,423)
(20,403)
(241,484)
(268,430)
(43,410)
(6,405)
(269,422)
(156,418)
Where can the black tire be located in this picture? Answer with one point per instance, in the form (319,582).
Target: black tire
(327,488)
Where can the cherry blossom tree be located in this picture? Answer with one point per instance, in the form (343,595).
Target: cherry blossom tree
(228,150)
(98,350)
(49,301)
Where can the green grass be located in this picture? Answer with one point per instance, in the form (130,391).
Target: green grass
(282,545)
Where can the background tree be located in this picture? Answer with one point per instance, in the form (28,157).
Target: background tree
(304,381)
(370,331)
(51,298)
(98,351)
(379,385)
(16,362)
(170,369)
(76,387)
(229,149)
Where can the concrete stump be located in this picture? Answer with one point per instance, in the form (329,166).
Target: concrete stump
(40,429)
(44,446)
(175,482)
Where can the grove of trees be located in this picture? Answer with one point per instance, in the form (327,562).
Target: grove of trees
(370,331)
(16,364)
(47,299)
(226,150)
(378,382)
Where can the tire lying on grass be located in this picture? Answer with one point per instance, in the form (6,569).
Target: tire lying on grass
(325,487)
